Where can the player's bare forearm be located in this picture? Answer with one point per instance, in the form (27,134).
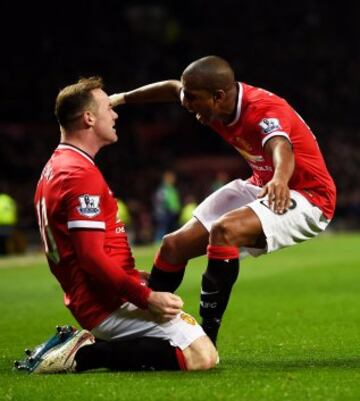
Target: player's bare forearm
(283,159)
(163,91)
(277,188)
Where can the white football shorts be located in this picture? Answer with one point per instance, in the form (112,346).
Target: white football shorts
(301,221)
(129,322)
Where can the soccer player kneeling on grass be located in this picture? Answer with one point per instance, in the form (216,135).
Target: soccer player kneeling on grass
(127,326)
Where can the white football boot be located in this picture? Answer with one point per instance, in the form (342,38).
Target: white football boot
(61,358)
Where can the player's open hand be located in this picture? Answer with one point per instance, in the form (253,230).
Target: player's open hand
(278,194)
(165,305)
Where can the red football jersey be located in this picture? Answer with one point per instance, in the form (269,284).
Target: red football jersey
(73,195)
(261,115)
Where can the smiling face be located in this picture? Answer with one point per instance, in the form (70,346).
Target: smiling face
(209,89)
(105,117)
(199,101)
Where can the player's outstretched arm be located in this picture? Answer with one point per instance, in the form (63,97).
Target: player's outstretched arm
(163,91)
(164,304)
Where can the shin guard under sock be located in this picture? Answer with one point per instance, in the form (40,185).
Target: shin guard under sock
(166,276)
(217,281)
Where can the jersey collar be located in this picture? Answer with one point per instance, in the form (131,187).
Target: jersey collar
(238,105)
(64,145)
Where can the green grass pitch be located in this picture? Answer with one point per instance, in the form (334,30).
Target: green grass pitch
(291,331)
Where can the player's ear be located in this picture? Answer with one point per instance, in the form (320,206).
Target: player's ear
(89,118)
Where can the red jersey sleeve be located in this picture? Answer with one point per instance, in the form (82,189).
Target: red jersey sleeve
(84,192)
(270,120)
(86,202)
(89,247)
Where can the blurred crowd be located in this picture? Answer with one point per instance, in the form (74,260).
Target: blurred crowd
(158,193)
(307,52)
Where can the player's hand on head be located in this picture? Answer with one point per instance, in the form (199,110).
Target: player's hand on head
(117,99)
(165,304)
(278,194)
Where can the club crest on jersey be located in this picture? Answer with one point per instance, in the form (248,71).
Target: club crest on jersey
(89,205)
(269,125)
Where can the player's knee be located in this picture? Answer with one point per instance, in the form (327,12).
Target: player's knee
(201,355)
(171,248)
(204,363)
(222,231)
(208,360)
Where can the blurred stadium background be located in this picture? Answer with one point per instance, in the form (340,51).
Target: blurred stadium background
(307,52)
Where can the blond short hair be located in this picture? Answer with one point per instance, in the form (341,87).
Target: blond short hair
(75,99)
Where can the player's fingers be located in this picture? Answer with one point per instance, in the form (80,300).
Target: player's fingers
(172,305)
(178,306)
(279,201)
(172,310)
(170,313)
(282,201)
(165,313)
(271,198)
(280,205)
(176,301)
(283,206)
(288,201)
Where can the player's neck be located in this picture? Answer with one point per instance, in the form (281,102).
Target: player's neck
(82,140)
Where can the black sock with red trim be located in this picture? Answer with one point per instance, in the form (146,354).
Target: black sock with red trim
(217,282)
(166,276)
(145,353)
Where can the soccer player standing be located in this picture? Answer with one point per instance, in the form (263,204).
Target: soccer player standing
(289,198)
(88,252)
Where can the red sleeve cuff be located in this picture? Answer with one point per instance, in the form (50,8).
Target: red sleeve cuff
(137,293)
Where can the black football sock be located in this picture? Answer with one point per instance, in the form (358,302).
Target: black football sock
(161,280)
(216,286)
(145,353)
(166,276)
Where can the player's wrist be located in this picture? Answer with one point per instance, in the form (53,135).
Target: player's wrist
(281,177)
